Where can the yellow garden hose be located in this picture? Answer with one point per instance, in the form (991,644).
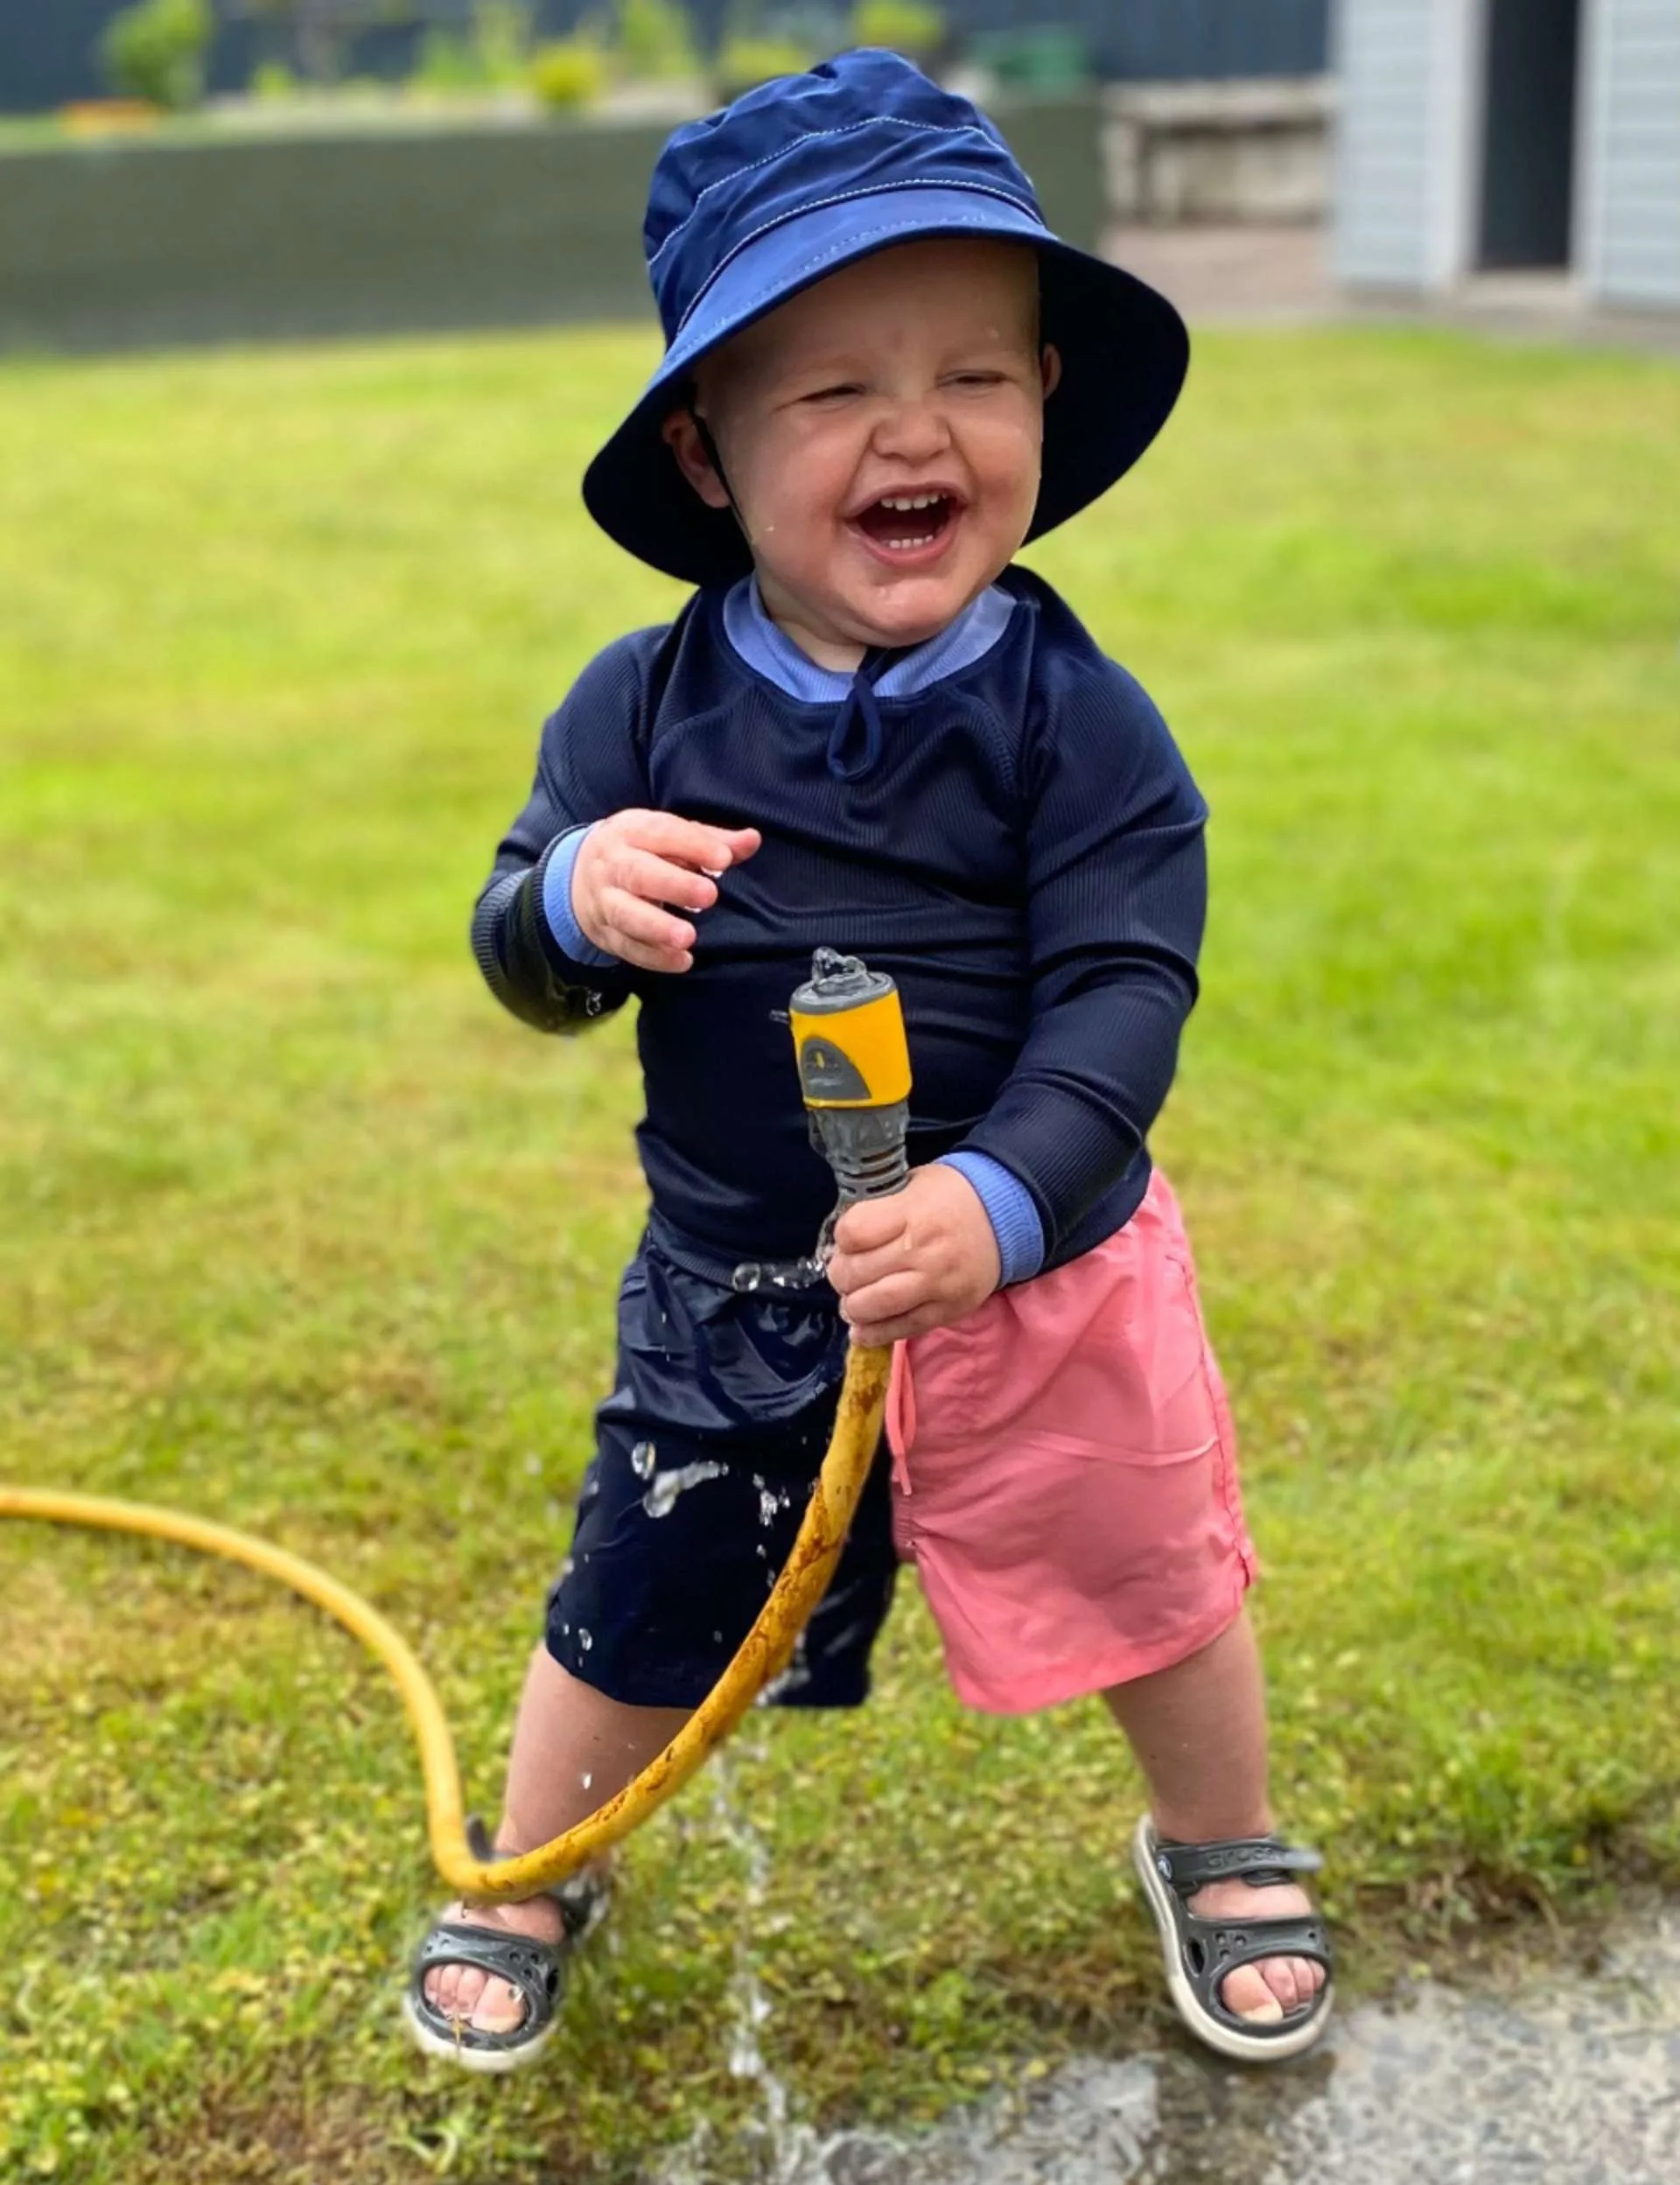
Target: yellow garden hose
(762,1655)
(854,1070)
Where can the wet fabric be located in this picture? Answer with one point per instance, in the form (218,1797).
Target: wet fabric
(1065,1475)
(706,1453)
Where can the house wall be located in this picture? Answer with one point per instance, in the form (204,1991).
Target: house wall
(1410,76)
(1627,228)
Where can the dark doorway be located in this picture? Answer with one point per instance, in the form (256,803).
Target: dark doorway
(1528,168)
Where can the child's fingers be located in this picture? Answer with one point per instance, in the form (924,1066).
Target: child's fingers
(870,1225)
(641,932)
(892,1298)
(882,1334)
(690,842)
(657,880)
(850,1272)
(876,1334)
(646,959)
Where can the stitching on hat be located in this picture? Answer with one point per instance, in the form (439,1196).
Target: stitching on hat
(811,136)
(844,197)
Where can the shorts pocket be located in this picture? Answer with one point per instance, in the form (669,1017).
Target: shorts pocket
(1130,1382)
(1106,1357)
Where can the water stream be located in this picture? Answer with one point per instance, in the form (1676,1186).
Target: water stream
(1558,2081)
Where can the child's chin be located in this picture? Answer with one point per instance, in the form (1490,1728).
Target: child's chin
(909,609)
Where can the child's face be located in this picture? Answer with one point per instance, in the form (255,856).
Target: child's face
(915,376)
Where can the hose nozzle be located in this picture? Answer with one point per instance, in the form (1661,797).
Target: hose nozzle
(854,1071)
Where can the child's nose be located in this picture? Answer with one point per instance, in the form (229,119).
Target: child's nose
(912,430)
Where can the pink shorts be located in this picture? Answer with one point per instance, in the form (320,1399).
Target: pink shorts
(1065,1475)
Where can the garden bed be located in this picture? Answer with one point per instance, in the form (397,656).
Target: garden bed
(188,237)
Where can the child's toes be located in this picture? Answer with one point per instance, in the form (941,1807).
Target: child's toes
(500,2009)
(454,1989)
(1290,1984)
(1248,1994)
(1309,1978)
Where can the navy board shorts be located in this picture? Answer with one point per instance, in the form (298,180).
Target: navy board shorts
(706,1453)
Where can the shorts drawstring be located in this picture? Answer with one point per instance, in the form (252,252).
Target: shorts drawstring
(900,1415)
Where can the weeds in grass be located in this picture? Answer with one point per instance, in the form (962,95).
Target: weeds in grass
(300,1231)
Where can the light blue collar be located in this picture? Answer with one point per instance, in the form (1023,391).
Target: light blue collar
(774,654)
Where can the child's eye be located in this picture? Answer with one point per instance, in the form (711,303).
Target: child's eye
(833,394)
(976,379)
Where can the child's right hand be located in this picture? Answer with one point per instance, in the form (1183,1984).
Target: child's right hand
(633,865)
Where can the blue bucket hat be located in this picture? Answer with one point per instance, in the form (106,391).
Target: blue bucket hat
(810,173)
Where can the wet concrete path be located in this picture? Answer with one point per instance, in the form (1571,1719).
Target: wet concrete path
(1546,2086)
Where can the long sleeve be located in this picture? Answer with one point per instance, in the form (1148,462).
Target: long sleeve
(589,762)
(1010,1210)
(1117,882)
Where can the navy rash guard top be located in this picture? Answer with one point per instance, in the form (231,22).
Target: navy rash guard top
(1019,844)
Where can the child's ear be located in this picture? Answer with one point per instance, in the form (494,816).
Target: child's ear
(682,436)
(1050,364)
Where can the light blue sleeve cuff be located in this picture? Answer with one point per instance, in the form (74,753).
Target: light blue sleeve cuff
(1010,1210)
(557,902)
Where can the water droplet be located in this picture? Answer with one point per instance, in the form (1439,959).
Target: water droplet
(797,1673)
(717,1638)
(568,1567)
(586,1639)
(661,1497)
(748,1276)
(769,1504)
(643,1458)
(586,1779)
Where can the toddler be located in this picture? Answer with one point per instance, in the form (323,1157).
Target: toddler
(868,730)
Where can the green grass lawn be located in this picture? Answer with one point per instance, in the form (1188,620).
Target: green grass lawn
(301,1232)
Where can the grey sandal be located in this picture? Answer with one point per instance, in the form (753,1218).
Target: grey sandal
(537,1970)
(1200,1954)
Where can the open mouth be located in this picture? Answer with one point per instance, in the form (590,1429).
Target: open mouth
(905,524)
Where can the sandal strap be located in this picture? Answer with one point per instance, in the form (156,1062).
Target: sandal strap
(1210,1950)
(1259,1860)
(535,1969)
(580,1896)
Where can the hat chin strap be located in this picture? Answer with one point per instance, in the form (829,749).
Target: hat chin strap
(717,461)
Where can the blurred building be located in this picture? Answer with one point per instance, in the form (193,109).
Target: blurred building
(1484,137)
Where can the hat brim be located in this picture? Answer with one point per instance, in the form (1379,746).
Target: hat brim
(1124,351)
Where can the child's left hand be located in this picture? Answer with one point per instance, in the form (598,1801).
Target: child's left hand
(920,1259)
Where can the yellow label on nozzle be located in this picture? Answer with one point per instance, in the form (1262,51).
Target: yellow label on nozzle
(853,1058)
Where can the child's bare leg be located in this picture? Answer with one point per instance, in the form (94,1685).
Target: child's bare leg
(573,1748)
(1198,1732)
